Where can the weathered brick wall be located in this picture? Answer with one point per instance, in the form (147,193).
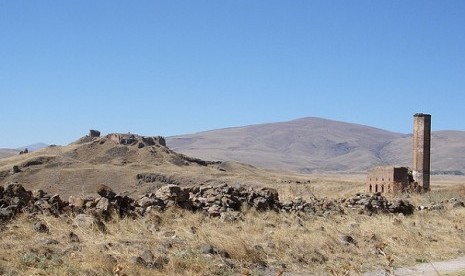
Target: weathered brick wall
(387,180)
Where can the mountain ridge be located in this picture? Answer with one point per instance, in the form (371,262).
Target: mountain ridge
(313,144)
(7,152)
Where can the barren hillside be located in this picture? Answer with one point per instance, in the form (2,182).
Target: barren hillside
(135,166)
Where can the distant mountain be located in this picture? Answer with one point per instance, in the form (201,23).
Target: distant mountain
(316,144)
(33,147)
(10,152)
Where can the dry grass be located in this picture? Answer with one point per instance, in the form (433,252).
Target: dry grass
(258,244)
(329,185)
(305,244)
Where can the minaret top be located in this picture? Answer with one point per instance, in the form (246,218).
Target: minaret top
(421,115)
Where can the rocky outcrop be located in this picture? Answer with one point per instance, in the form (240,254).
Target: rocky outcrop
(94,133)
(15,170)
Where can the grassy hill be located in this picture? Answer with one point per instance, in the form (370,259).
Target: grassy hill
(78,168)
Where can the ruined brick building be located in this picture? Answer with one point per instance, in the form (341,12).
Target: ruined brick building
(389,179)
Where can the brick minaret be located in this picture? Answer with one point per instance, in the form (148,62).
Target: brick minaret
(422,150)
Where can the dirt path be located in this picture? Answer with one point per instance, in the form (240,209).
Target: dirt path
(452,267)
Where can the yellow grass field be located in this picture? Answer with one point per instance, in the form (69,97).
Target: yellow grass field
(260,243)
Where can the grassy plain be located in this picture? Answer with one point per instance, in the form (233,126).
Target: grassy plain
(261,243)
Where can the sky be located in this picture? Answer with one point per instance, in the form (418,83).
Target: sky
(177,67)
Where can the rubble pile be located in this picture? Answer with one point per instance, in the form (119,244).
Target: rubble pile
(316,206)
(210,200)
(376,203)
(15,199)
(214,201)
(445,204)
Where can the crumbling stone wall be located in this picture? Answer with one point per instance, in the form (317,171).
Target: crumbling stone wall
(132,139)
(221,201)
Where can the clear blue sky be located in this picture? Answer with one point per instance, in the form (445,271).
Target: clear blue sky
(176,67)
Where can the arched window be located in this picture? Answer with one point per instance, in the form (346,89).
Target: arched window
(382,188)
(376,188)
(371,188)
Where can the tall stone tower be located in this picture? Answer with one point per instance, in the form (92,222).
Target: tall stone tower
(422,150)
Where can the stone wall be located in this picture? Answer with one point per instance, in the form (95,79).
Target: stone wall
(226,202)
(133,139)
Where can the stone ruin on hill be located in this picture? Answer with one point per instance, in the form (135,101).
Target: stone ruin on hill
(94,133)
(126,139)
(133,139)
